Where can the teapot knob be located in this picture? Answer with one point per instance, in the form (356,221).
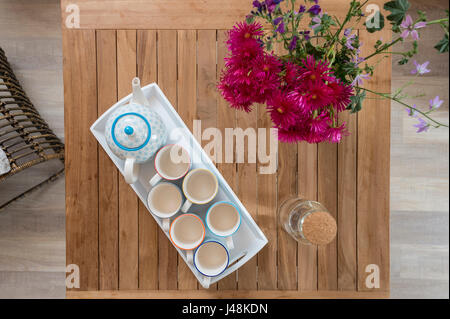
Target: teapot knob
(128,130)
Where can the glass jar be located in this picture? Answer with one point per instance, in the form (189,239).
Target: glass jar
(307,221)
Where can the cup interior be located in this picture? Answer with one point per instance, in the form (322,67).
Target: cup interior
(165,200)
(223,219)
(172,162)
(187,232)
(200,186)
(211,259)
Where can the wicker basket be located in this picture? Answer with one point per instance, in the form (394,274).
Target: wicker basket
(25,137)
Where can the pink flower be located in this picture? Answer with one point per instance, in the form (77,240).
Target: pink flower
(315,71)
(341,94)
(410,28)
(243,40)
(283,110)
(335,134)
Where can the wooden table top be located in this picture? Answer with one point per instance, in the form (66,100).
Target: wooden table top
(111,236)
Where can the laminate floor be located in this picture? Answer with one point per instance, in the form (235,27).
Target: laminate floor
(32,234)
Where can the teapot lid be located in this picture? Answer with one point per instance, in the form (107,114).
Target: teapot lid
(131,131)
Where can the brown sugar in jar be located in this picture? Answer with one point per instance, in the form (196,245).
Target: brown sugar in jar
(308,221)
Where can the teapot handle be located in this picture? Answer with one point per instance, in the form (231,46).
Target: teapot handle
(130,171)
(138,96)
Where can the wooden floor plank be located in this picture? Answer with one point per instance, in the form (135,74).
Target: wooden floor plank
(226,118)
(373,174)
(148,228)
(128,200)
(79,48)
(207,92)
(346,236)
(167,81)
(327,196)
(108,175)
(307,189)
(267,209)
(247,185)
(187,108)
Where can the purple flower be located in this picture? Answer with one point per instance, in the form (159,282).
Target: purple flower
(271,4)
(357,60)
(347,32)
(412,112)
(435,103)
(411,28)
(293,44)
(315,9)
(420,68)
(359,79)
(277,20)
(302,9)
(422,126)
(349,43)
(317,22)
(306,35)
(281,28)
(258,5)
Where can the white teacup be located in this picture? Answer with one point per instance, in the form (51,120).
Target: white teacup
(223,219)
(211,259)
(200,186)
(187,232)
(165,200)
(172,162)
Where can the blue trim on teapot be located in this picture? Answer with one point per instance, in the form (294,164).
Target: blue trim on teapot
(135,148)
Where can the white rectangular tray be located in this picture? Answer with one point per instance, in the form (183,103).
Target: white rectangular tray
(248,240)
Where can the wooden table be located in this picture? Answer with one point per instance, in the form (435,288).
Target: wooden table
(180,45)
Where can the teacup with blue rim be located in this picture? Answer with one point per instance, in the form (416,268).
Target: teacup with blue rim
(223,219)
(211,259)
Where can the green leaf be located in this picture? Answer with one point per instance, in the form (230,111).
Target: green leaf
(376,23)
(398,9)
(442,45)
(356,102)
(249,19)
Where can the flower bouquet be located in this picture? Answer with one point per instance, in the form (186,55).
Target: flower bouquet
(308,85)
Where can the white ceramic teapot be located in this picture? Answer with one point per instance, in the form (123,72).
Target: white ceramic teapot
(134,132)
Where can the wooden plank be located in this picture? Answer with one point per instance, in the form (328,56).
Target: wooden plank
(373,173)
(81,155)
(187,108)
(286,188)
(108,175)
(224,294)
(128,200)
(148,228)
(180,14)
(267,210)
(346,236)
(307,189)
(167,81)
(226,118)
(206,91)
(327,196)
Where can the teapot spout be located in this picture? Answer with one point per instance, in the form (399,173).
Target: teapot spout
(138,96)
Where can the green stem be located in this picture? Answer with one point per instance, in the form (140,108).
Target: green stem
(381,50)
(437,21)
(438,124)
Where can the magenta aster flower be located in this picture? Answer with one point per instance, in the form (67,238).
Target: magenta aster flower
(315,70)
(410,28)
(293,134)
(243,40)
(420,69)
(283,110)
(341,94)
(335,134)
